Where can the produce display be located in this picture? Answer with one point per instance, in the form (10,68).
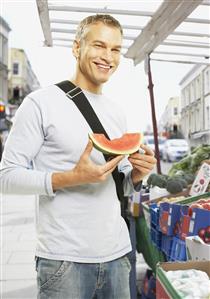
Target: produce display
(191,163)
(204,234)
(173,184)
(203,203)
(183,173)
(190,284)
(127,144)
(178,215)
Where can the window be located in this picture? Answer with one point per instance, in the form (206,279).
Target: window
(198,88)
(207,118)
(15,68)
(207,85)
(192,92)
(16,92)
(175,110)
(1,48)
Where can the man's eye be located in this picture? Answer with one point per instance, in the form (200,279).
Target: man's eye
(98,46)
(116,50)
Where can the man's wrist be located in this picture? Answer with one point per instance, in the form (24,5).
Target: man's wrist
(136,177)
(64,179)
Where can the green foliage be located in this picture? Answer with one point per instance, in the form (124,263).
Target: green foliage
(200,155)
(190,164)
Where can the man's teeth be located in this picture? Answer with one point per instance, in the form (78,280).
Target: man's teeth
(104,66)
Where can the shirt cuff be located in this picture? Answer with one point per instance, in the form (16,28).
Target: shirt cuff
(129,187)
(48,185)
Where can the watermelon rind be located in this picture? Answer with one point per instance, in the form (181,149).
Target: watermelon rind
(108,151)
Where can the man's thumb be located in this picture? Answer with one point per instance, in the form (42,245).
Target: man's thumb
(88,148)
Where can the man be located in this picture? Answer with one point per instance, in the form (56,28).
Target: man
(82,238)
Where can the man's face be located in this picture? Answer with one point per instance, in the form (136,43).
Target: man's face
(99,53)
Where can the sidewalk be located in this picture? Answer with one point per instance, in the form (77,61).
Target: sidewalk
(18,246)
(18,275)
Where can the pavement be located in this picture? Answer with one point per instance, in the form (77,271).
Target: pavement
(18,242)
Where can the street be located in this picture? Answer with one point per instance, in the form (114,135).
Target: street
(18,247)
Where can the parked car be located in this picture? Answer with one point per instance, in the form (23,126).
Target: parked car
(149,140)
(175,149)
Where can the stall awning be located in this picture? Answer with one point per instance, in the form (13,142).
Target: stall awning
(176,31)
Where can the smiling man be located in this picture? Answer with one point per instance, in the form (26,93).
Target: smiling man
(97,50)
(83,241)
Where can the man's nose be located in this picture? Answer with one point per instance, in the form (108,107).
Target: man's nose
(107,55)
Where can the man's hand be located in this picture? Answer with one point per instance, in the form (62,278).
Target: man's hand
(89,172)
(142,164)
(86,171)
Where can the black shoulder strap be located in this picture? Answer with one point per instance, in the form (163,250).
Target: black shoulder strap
(75,94)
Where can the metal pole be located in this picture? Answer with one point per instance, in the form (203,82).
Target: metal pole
(154,123)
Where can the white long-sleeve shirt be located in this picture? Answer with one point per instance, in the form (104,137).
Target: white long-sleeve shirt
(49,134)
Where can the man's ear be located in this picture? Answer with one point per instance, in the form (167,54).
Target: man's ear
(76,49)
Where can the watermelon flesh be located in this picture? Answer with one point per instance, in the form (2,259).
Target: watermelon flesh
(128,144)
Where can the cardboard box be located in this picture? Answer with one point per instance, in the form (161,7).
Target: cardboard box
(164,289)
(197,249)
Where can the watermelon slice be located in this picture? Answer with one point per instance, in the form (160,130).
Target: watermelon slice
(127,144)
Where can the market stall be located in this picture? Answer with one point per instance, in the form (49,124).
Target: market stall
(173,228)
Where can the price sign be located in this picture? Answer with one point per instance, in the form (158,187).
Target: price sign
(201,181)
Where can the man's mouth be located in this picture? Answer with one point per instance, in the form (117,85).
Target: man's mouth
(103,66)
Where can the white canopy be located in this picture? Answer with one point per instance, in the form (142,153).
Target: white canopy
(149,27)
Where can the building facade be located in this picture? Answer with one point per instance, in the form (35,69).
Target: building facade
(195,105)
(170,121)
(4,33)
(22,79)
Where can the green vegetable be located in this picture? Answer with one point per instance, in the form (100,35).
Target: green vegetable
(183,182)
(189,178)
(174,186)
(190,164)
(182,165)
(150,179)
(200,155)
(158,180)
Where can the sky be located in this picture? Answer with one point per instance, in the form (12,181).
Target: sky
(128,86)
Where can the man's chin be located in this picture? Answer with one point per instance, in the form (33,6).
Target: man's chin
(103,80)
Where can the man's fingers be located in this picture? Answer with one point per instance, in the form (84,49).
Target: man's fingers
(142,163)
(146,158)
(148,150)
(110,170)
(112,163)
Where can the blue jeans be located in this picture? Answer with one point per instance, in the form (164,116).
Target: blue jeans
(70,280)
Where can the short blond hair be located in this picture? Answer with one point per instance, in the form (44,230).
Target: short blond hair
(98,18)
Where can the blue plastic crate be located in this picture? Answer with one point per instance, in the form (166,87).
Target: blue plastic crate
(154,215)
(200,219)
(169,218)
(178,251)
(166,244)
(156,237)
(143,296)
